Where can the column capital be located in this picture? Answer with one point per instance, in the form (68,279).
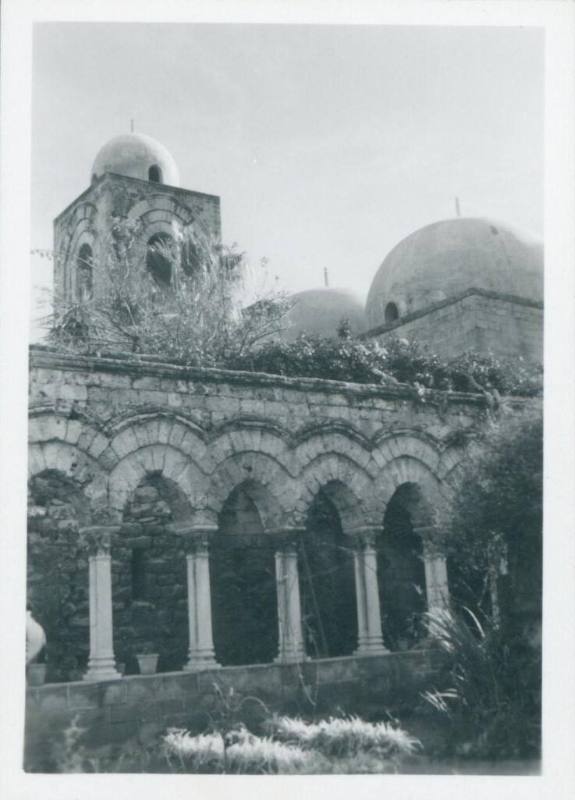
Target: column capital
(97,539)
(362,538)
(287,539)
(196,540)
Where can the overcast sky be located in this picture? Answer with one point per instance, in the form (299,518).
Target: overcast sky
(326,144)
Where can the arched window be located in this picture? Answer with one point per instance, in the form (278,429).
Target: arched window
(160,258)
(155,174)
(84,274)
(391,313)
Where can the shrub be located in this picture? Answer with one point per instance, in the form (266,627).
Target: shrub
(367,361)
(492,704)
(345,737)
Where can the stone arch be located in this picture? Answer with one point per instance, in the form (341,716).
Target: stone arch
(261,470)
(407,444)
(73,449)
(337,443)
(401,566)
(241,437)
(405,469)
(149,573)
(243,576)
(326,567)
(155,459)
(353,480)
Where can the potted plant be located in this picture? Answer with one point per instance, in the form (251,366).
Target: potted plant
(147,660)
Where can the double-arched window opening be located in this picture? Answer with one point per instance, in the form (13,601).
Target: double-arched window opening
(84,274)
(160,258)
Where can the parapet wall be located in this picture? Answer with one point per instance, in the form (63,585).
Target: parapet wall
(115,711)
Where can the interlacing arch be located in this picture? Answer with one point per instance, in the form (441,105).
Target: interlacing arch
(157,459)
(71,447)
(332,469)
(254,469)
(405,470)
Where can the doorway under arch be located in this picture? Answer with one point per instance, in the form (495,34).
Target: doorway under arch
(244,598)
(401,568)
(149,576)
(329,610)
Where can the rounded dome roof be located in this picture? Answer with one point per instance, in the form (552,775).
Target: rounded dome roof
(320,311)
(449,257)
(133,154)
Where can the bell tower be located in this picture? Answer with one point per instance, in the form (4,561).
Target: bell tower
(135,184)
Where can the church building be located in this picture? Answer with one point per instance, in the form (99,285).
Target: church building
(270,533)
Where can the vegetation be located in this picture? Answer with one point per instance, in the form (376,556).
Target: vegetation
(493,700)
(495,532)
(196,302)
(199,304)
(283,745)
(492,703)
(367,361)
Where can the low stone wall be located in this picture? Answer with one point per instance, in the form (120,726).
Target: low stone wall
(115,711)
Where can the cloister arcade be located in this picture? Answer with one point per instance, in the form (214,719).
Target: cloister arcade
(240,546)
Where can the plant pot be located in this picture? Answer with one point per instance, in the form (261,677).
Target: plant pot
(36,674)
(148,663)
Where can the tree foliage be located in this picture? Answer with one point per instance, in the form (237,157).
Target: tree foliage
(191,301)
(497,513)
(399,360)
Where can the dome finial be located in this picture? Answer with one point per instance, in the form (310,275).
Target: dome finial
(132,125)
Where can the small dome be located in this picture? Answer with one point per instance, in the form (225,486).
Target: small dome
(137,156)
(449,257)
(320,311)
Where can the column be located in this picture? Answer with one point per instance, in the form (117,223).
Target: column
(369,637)
(437,589)
(101,663)
(290,632)
(201,652)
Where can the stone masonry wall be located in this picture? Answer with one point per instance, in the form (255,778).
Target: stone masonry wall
(476,323)
(152,446)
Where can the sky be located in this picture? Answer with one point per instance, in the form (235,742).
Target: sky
(327,144)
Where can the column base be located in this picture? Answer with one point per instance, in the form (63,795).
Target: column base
(102,670)
(291,657)
(201,661)
(371,647)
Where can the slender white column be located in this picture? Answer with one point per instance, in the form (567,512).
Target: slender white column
(201,652)
(436,585)
(370,640)
(290,633)
(101,663)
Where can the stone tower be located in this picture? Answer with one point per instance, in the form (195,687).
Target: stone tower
(134,179)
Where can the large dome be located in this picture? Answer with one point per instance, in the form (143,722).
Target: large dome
(137,156)
(449,257)
(320,311)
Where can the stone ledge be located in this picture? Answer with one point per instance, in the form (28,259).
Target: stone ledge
(45,357)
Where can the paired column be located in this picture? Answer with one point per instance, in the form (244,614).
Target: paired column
(370,640)
(290,632)
(101,664)
(201,653)
(437,589)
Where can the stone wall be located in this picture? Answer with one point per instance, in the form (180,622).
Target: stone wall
(89,220)
(153,448)
(119,710)
(476,321)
